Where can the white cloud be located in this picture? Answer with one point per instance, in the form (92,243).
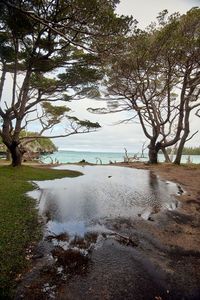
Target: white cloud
(146,11)
(109,137)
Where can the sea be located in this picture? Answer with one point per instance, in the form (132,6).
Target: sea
(63,156)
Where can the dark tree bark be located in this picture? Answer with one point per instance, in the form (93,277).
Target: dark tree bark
(153,152)
(8,155)
(12,143)
(153,156)
(16,154)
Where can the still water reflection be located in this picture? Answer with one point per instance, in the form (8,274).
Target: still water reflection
(84,204)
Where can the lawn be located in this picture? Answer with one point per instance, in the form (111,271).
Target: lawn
(19,226)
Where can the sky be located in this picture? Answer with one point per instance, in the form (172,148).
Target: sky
(115,138)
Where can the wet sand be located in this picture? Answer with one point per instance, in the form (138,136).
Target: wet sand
(164,252)
(187,217)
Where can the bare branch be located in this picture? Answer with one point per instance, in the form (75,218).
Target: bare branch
(192,136)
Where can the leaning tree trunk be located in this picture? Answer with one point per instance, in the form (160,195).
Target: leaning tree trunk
(173,151)
(164,151)
(177,160)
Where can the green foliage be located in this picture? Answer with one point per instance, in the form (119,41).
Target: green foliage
(54,113)
(6,51)
(79,75)
(18,220)
(42,144)
(89,124)
(85,123)
(186,151)
(42,83)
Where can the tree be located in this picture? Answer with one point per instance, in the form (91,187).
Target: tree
(158,77)
(52,51)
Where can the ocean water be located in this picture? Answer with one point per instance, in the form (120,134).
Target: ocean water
(102,157)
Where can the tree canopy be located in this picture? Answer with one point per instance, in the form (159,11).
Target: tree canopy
(157,79)
(52,51)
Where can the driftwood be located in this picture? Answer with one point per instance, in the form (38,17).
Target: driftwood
(128,159)
(124,239)
(56,162)
(98,159)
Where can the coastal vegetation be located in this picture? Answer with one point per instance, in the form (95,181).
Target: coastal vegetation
(156,80)
(52,52)
(186,151)
(38,146)
(19,226)
(153,73)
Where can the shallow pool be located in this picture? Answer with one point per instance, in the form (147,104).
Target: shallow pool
(85,203)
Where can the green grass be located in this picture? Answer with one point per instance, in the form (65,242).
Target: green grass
(18,220)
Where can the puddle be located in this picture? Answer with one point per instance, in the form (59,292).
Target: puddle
(82,204)
(89,225)
(77,211)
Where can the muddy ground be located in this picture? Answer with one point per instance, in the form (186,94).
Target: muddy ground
(158,258)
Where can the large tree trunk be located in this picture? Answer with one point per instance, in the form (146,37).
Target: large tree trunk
(153,152)
(12,142)
(17,154)
(153,156)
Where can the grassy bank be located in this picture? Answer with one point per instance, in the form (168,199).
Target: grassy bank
(18,220)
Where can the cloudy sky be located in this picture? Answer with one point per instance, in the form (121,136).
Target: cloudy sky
(115,137)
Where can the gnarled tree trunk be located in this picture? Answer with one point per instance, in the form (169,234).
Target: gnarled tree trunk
(13,145)
(153,152)
(17,154)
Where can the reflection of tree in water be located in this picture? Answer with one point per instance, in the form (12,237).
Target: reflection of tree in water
(72,261)
(154,185)
(161,191)
(51,208)
(75,260)
(85,242)
(89,207)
